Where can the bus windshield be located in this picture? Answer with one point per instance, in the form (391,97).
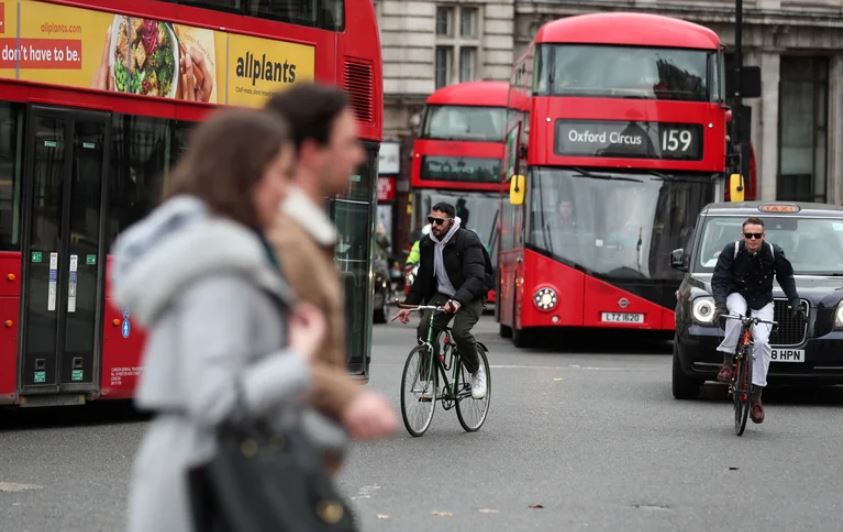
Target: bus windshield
(813,245)
(620,225)
(452,122)
(625,72)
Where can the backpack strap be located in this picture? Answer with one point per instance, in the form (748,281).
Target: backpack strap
(772,250)
(737,248)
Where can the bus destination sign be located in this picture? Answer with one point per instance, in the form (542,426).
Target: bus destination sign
(638,140)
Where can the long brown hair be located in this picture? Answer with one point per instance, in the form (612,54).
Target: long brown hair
(226,157)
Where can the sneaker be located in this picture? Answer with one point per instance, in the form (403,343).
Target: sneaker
(725,373)
(756,412)
(478,383)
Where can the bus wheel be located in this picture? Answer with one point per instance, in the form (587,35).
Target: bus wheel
(521,338)
(505,331)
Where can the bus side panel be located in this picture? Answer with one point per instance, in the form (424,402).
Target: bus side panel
(506,297)
(122,348)
(10,284)
(567,282)
(9,311)
(604,297)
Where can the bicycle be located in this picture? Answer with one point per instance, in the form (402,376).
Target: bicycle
(740,387)
(420,381)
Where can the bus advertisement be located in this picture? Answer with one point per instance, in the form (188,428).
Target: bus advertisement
(622,143)
(96,103)
(458,154)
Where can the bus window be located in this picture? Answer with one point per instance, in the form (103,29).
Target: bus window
(139,155)
(454,122)
(11,151)
(631,72)
(325,14)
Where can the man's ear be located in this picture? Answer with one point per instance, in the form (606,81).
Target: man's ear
(309,152)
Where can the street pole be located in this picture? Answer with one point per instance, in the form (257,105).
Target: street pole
(738,69)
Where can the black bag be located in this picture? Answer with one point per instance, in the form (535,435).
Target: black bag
(260,482)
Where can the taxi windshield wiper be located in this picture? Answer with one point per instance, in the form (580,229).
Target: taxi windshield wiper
(586,173)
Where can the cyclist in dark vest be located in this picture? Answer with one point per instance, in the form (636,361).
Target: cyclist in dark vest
(743,278)
(454,272)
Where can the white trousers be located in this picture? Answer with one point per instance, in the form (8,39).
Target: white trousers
(760,335)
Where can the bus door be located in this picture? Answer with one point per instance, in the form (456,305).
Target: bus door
(63,255)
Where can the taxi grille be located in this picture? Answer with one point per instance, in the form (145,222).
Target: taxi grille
(791,331)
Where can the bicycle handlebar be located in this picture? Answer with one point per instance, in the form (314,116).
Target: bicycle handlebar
(746,319)
(419,307)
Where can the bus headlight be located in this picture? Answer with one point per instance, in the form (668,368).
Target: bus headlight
(838,316)
(702,310)
(545,299)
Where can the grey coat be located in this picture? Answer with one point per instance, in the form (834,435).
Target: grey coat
(213,306)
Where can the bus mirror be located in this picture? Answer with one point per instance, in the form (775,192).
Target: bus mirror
(517,189)
(750,82)
(736,188)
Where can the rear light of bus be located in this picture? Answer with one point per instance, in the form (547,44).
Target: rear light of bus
(545,299)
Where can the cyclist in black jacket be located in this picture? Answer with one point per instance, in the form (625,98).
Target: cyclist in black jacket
(454,273)
(743,278)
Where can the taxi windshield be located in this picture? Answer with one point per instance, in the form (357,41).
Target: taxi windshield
(814,246)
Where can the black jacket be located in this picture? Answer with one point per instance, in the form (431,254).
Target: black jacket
(465,262)
(752,275)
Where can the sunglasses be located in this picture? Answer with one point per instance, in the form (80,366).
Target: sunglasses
(437,221)
(753,236)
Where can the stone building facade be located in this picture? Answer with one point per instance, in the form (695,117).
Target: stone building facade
(797,123)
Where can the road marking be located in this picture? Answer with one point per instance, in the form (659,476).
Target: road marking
(14,487)
(557,368)
(366,492)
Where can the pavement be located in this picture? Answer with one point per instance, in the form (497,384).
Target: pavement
(583,434)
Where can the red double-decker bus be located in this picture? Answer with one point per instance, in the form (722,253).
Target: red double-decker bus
(458,154)
(620,148)
(96,101)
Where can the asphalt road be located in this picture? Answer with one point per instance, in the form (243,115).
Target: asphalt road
(579,437)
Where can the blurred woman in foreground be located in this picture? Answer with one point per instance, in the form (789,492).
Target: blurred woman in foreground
(200,277)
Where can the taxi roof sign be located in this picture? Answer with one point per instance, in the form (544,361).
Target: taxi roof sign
(779,207)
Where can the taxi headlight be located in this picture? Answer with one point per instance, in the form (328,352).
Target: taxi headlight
(702,310)
(838,316)
(545,299)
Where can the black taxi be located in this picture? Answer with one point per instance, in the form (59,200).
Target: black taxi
(806,350)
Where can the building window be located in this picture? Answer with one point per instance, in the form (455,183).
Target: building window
(468,23)
(445,21)
(468,63)
(803,134)
(444,59)
(458,34)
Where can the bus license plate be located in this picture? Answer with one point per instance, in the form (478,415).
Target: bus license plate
(787,355)
(622,317)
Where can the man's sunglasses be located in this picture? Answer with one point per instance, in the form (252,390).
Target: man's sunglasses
(753,236)
(437,221)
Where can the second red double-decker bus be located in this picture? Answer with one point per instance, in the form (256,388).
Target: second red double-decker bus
(622,143)
(96,102)
(458,154)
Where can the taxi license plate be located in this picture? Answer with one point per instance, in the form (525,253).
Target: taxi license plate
(787,355)
(622,317)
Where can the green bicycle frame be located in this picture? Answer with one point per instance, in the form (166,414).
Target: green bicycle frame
(452,388)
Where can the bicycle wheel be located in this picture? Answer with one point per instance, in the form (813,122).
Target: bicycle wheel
(418,390)
(742,390)
(470,411)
